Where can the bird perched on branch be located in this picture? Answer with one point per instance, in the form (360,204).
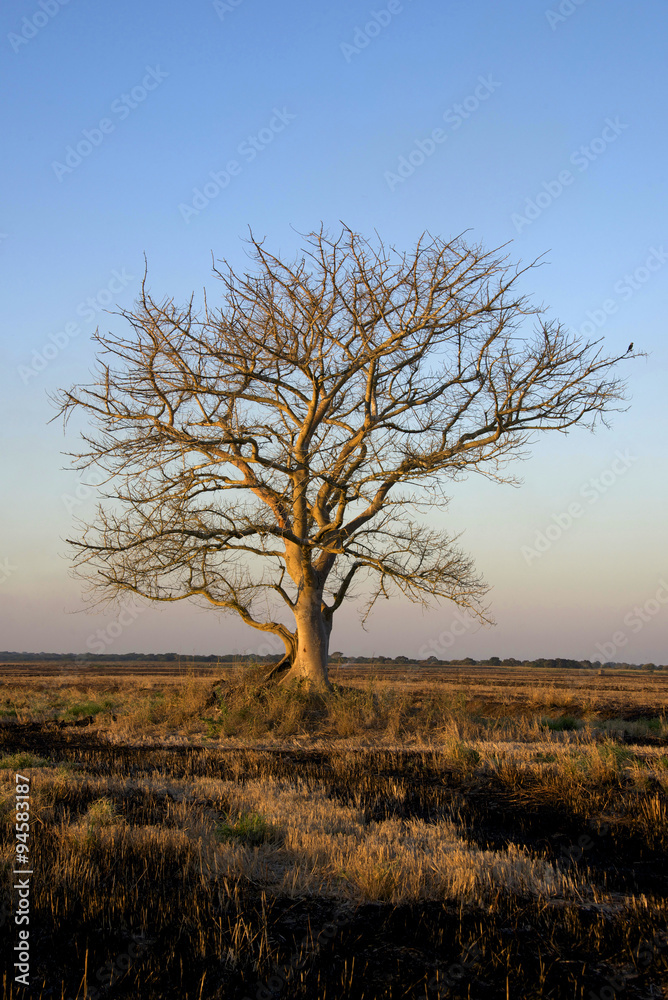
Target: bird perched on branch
(630,347)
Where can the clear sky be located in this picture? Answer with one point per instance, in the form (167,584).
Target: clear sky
(119,124)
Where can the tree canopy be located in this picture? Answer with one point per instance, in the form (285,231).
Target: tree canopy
(265,453)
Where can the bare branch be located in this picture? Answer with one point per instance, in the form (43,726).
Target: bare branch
(276,448)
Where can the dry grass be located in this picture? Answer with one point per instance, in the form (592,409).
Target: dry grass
(329,849)
(153,825)
(320,847)
(189,849)
(313,844)
(415,708)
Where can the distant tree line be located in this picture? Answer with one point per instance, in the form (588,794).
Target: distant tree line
(558,663)
(6,657)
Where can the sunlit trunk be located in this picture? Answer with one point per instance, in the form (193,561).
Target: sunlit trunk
(312,641)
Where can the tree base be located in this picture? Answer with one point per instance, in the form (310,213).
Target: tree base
(311,682)
(279,668)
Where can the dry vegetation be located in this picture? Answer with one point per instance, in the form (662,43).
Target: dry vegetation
(413,706)
(504,857)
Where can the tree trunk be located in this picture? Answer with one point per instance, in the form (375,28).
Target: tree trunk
(312,652)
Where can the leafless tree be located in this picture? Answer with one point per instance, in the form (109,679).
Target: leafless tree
(263,455)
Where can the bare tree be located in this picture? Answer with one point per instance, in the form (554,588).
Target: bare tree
(265,454)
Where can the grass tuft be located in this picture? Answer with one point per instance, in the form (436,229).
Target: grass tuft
(101,812)
(18,760)
(563,723)
(249,828)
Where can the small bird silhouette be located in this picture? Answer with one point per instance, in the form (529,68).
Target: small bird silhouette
(630,347)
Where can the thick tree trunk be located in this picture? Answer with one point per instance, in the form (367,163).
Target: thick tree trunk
(312,652)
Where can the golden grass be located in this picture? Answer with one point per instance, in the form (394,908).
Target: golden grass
(328,849)
(426,707)
(196,860)
(321,847)
(324,848)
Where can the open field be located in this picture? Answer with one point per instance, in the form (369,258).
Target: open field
(405,704)
(467,832)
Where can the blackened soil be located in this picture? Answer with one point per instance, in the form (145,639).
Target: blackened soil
(403,784)
(321,950)
(232,941)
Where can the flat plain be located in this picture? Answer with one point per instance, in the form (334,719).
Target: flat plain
(460,831)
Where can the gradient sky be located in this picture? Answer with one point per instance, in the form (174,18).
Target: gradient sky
(181,90)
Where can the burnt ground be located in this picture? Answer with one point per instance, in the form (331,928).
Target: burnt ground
(317,948)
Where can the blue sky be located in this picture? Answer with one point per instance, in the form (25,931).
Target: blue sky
(552,134)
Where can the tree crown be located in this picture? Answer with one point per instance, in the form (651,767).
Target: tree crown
(284,441)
